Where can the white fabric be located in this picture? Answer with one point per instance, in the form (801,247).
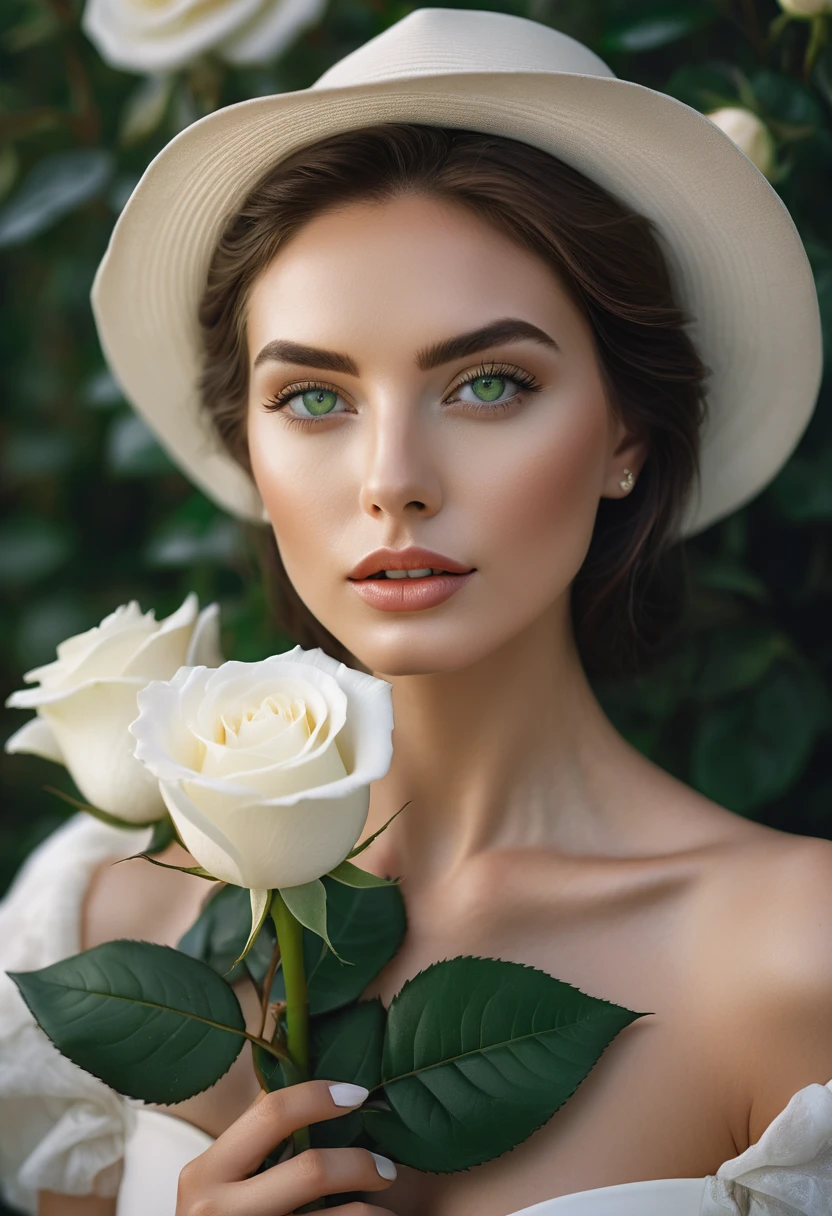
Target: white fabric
(63,1130)
(157,1148)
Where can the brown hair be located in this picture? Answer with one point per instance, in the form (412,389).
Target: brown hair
(607,258)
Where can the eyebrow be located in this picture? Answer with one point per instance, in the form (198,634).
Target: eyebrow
(282,351)
(507,329)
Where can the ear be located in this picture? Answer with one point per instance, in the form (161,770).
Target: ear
(628,452)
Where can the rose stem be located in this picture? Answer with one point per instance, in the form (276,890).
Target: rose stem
(290,941)
(267,988)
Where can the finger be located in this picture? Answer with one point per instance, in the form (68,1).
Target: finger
(312,1175)
(243,1147)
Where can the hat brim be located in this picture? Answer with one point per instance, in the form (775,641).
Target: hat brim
(737,262)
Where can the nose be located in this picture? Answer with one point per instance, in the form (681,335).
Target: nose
(399,476)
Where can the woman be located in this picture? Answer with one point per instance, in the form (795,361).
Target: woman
(442,347)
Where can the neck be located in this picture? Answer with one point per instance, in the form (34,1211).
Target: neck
(512,752)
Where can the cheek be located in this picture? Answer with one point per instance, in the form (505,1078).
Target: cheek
(301,488)
(543,497)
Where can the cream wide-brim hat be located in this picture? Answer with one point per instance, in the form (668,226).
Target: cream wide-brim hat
(737,262)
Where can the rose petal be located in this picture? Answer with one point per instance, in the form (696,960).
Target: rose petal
(166,650)
(280,785)
(284,744)
(144,38)
(268,845)
(203,839)
(164,744)
(91,728)
(101,651)
(37,738)
(204,650)
(268,33)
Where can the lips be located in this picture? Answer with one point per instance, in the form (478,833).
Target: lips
(413,558)
(408,594)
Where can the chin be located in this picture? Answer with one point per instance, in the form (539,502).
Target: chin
(412,649)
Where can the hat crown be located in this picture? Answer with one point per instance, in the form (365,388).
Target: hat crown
(432,41)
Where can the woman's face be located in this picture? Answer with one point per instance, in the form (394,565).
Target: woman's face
(437,388)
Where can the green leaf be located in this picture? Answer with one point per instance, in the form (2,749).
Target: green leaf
(307,903)
(9,165)
(347,1046)
(273,1072)
(724,574)
(480,1053)
(702,86)
(751,751)
(365,844)
(736,659)
(658,27)
(149,1021)
(353,876)
(164,834)
(31,549)
(803,488)
(56,185)
(367,927)
(784,99)
(219,933)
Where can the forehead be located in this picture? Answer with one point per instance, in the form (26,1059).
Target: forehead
(387,269)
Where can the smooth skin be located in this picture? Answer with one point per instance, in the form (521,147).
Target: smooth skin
(535,832)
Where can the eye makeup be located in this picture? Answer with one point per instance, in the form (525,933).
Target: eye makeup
(487,372)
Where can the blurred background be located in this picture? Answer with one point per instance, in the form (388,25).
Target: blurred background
(93,514)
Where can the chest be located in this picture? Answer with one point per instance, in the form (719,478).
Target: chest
(660,1102)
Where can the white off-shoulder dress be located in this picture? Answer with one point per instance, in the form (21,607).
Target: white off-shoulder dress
(63,1130)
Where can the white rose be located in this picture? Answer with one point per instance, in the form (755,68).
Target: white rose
(163,35)
(266,767)
(87,699)
(806,8)
(749,134)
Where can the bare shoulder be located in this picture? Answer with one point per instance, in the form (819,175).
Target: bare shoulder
(138,900)
(771,976)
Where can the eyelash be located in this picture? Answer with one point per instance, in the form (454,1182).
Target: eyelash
(508,371)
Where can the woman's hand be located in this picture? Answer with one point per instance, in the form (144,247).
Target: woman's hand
(219,1182)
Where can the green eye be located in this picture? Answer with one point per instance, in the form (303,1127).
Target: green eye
(488,388)
(319,400)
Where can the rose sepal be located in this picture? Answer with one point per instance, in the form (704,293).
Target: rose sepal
(164,832)
(260,904)
(307,904)
(365,844)
(354,876)
(197,871)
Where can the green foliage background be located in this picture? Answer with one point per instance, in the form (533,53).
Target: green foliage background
(94,514)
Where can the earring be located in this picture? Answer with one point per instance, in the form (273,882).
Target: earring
(628,482)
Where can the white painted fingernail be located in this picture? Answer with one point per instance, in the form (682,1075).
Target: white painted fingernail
(344,1094)
(385,1166)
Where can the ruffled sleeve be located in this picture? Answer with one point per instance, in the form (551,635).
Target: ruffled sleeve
(788,1172)
(61,1129)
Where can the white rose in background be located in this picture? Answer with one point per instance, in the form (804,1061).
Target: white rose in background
(163,35)
(749,133)
(806,8)
(266,767)
(86,701)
